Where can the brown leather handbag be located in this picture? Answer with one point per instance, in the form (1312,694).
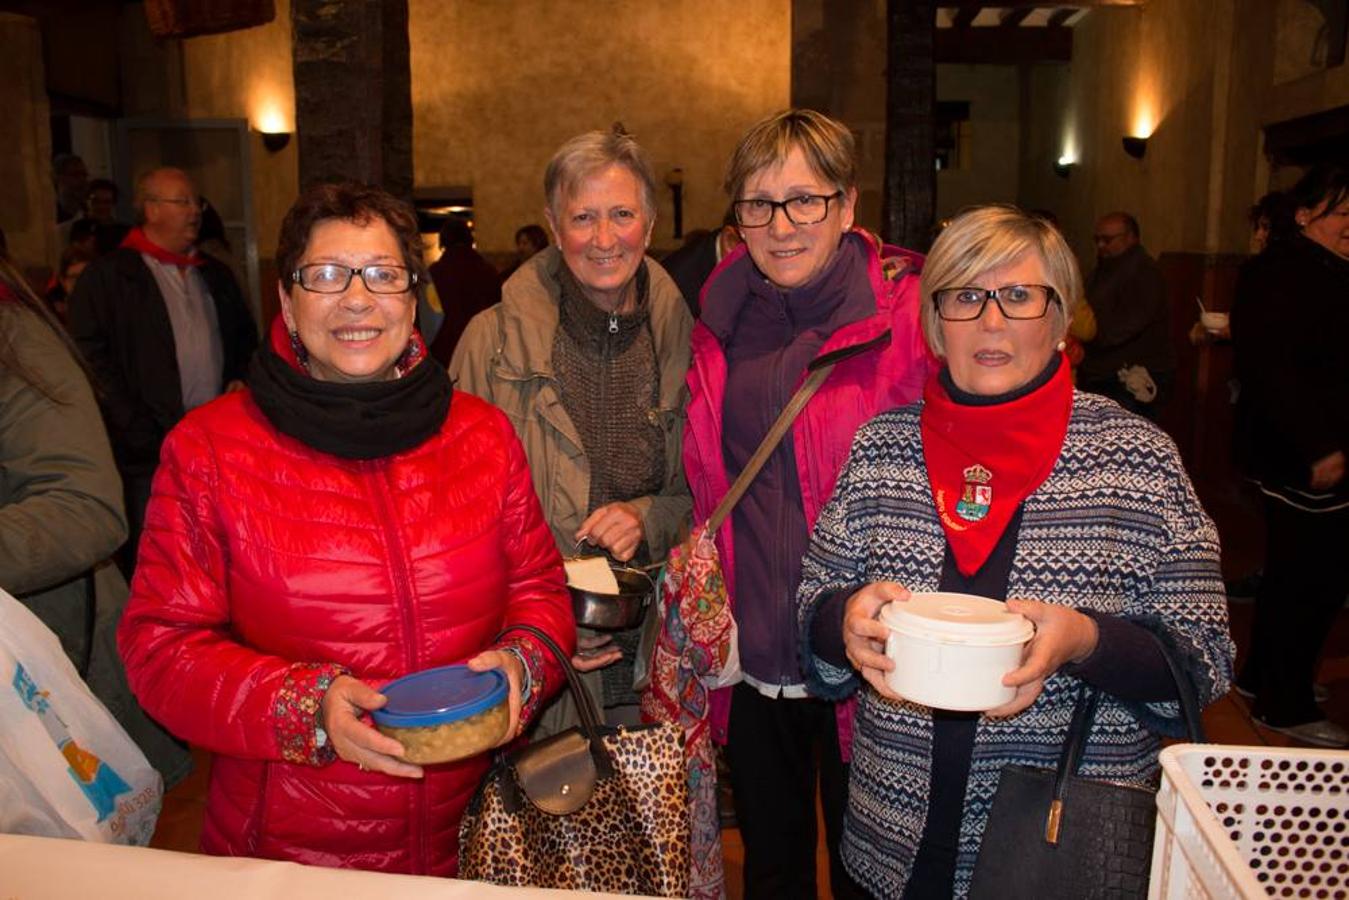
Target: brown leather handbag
(593,808)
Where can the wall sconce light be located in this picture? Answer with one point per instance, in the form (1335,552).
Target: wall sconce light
(675,179)
(1135,146)
(1063,166)
(275,141)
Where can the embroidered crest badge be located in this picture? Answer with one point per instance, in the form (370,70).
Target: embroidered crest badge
(976,495)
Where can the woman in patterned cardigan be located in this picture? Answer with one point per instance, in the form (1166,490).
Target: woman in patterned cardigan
(1084,516)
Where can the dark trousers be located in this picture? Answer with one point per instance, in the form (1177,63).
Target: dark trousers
(1303,590)
(776,750)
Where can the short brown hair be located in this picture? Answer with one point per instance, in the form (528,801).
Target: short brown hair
(827,144)
(350,202)
(588,153)
(983,238)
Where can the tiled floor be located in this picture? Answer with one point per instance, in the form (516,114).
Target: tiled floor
(1227,722)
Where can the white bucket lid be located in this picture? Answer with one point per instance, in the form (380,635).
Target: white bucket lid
(957,619)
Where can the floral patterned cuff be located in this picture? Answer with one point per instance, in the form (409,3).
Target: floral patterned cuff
(299,733)
(532,689)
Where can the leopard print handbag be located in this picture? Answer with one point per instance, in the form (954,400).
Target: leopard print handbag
(594,808)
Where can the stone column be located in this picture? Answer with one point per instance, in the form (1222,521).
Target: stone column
(28,214)
(353,92)
(911,91)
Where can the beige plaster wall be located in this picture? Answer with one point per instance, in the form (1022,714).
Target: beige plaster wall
(247,74)
(990,174)
(496,87)
(27,214)
(1146,71)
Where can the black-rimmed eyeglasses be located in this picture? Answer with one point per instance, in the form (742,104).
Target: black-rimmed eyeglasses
(806,209)
(1015,301)
(331,278)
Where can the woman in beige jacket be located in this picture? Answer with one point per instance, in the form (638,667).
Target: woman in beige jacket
(587,354)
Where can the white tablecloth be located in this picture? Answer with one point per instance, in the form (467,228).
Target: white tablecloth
(34,868)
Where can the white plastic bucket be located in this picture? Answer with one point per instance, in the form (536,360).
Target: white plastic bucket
(952,650)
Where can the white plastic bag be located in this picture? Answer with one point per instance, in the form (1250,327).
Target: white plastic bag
(67,769)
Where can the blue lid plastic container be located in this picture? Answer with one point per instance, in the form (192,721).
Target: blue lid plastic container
(445,713)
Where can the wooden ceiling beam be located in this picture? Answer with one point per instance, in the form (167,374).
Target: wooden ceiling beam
(965,16)
(1036,4)
(1003,46)
(1059,16)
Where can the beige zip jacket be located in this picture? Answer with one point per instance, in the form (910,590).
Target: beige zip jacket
(505,357)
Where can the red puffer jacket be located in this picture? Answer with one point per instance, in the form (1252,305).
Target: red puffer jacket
(264,561)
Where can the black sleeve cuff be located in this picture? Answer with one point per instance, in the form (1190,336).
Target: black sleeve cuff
(826,630)
(1126,663)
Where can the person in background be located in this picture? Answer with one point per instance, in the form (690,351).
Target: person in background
(1292,436)
(213,240)
(804,286)
(60,497)
(61,513)
(102,206)
(1130,360)
(1005,483)
(71,178)
(74,260)
(692,264)
(587,353)
(1271,219)
(164,328)
(529,239)
(466,284)
(346,520)
(83,234)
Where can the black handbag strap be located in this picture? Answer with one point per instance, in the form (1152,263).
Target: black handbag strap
(585,705)
(1084,714)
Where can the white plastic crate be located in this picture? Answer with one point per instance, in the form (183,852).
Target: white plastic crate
(1251,822)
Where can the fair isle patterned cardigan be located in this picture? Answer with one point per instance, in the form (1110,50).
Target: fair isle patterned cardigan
(1116,527)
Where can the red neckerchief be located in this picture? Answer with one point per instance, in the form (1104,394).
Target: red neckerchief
(136,240)
(7,295)
(983,461)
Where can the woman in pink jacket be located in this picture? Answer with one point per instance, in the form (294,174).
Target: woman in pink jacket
(347,520)
(805,287)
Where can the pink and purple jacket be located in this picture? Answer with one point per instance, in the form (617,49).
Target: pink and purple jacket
(883,362)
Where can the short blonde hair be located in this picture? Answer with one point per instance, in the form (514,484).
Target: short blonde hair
(983,238)
(588,153)
(828,147)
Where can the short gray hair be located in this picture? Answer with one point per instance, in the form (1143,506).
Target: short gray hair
(983,238)
(588,153)
(826,143)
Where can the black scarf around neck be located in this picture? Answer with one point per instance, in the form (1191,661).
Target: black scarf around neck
(368,420)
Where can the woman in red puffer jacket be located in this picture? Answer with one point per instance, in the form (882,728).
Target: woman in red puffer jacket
(347,520)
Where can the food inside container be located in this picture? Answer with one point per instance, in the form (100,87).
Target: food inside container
(612,600)
(448,713)
(952,650)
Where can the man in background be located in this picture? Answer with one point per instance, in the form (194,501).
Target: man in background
(692,264)
(164,328)
(465,282)
(1130,360)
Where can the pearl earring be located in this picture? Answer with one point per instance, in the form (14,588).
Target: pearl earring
(1063,345)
